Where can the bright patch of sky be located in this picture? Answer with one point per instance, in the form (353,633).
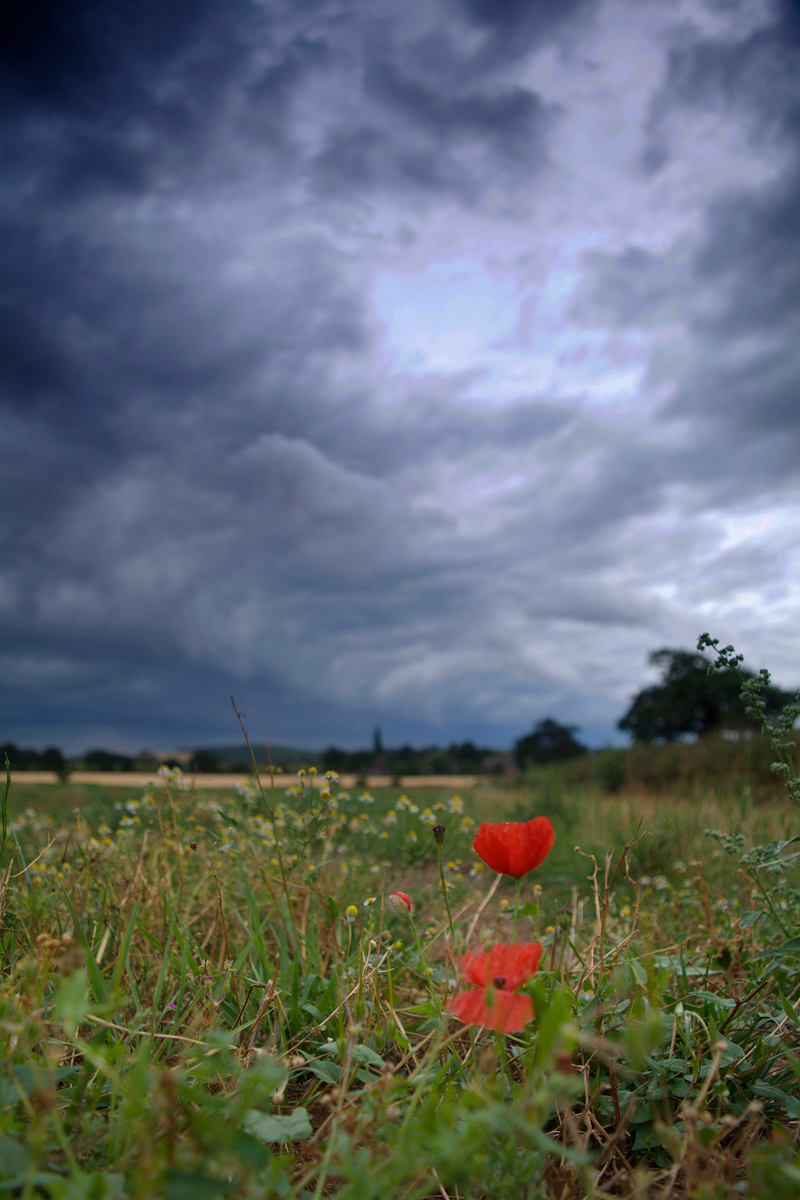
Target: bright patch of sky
(492,294)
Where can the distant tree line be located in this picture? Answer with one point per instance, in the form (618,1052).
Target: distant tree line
(50,759)
(459,758)
(686,703)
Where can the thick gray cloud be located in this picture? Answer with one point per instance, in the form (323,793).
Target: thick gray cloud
(423,365)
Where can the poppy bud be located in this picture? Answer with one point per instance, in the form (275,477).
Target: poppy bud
(438,832)
(400,904)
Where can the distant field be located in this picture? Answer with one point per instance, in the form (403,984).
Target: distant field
(582,813)
(127,779)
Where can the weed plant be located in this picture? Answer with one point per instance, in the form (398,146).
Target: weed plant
(214,996)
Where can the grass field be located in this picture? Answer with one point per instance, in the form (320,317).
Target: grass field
(210,994)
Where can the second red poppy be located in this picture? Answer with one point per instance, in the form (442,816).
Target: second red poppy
(514,847)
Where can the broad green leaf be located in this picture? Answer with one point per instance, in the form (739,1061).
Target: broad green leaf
(787,1008)
(326,1071)
(185,1185)
(72,1004)
(14,1160)
(366,1055)
(790,947)
(292,1127)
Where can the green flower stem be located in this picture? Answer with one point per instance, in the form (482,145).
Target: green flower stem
(422,959)
(516,912)
(440,848)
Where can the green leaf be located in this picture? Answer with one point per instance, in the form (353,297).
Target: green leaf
(794,1063)
(787,1008)
(552,1015)
(14,1160)
(790,947)
(47,1180)
(72,1005)
(27,1081)
(292,1127)
(731,1053)
(423,1010)
(185,1185)
(749,918)
(327,1072)
(770,1092)
(312,1011)
(700,998)
(99,1185)
(365,1055)
(646,1137)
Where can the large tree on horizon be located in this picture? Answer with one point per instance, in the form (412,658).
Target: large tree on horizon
(548,742)
(690,701)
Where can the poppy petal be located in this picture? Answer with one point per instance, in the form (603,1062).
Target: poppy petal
(514,963)
(475,967)
(507,1013)
(514,847)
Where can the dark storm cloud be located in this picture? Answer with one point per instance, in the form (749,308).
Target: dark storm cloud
(146,99)
(210,482)
(516,25)
(741,292)
(739,288)
(755,76)
(427,129)
(92,57)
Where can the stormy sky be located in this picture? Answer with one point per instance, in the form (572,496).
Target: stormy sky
(422,363)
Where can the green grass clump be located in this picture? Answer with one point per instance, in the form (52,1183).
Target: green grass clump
(209,995)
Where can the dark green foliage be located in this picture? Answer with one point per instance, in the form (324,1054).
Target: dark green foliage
(548,743)
(107,760)
(688,701)
(50,759)
(205,762)
(612,770)
(459,758)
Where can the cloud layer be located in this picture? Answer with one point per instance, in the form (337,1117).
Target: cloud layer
(417,365)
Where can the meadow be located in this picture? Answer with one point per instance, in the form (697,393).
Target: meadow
(225,993)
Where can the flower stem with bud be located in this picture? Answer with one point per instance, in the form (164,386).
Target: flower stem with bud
(438,832)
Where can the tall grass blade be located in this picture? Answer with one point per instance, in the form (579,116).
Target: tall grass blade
(124,950)
(94,972)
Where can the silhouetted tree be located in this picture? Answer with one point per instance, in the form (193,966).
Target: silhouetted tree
(205,762)
(107,760)
(53,759)
(549,742)
(690,701)
(335,759)
(31,760)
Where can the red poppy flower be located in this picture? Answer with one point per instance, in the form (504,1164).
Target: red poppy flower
(514,847)
(498,972)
